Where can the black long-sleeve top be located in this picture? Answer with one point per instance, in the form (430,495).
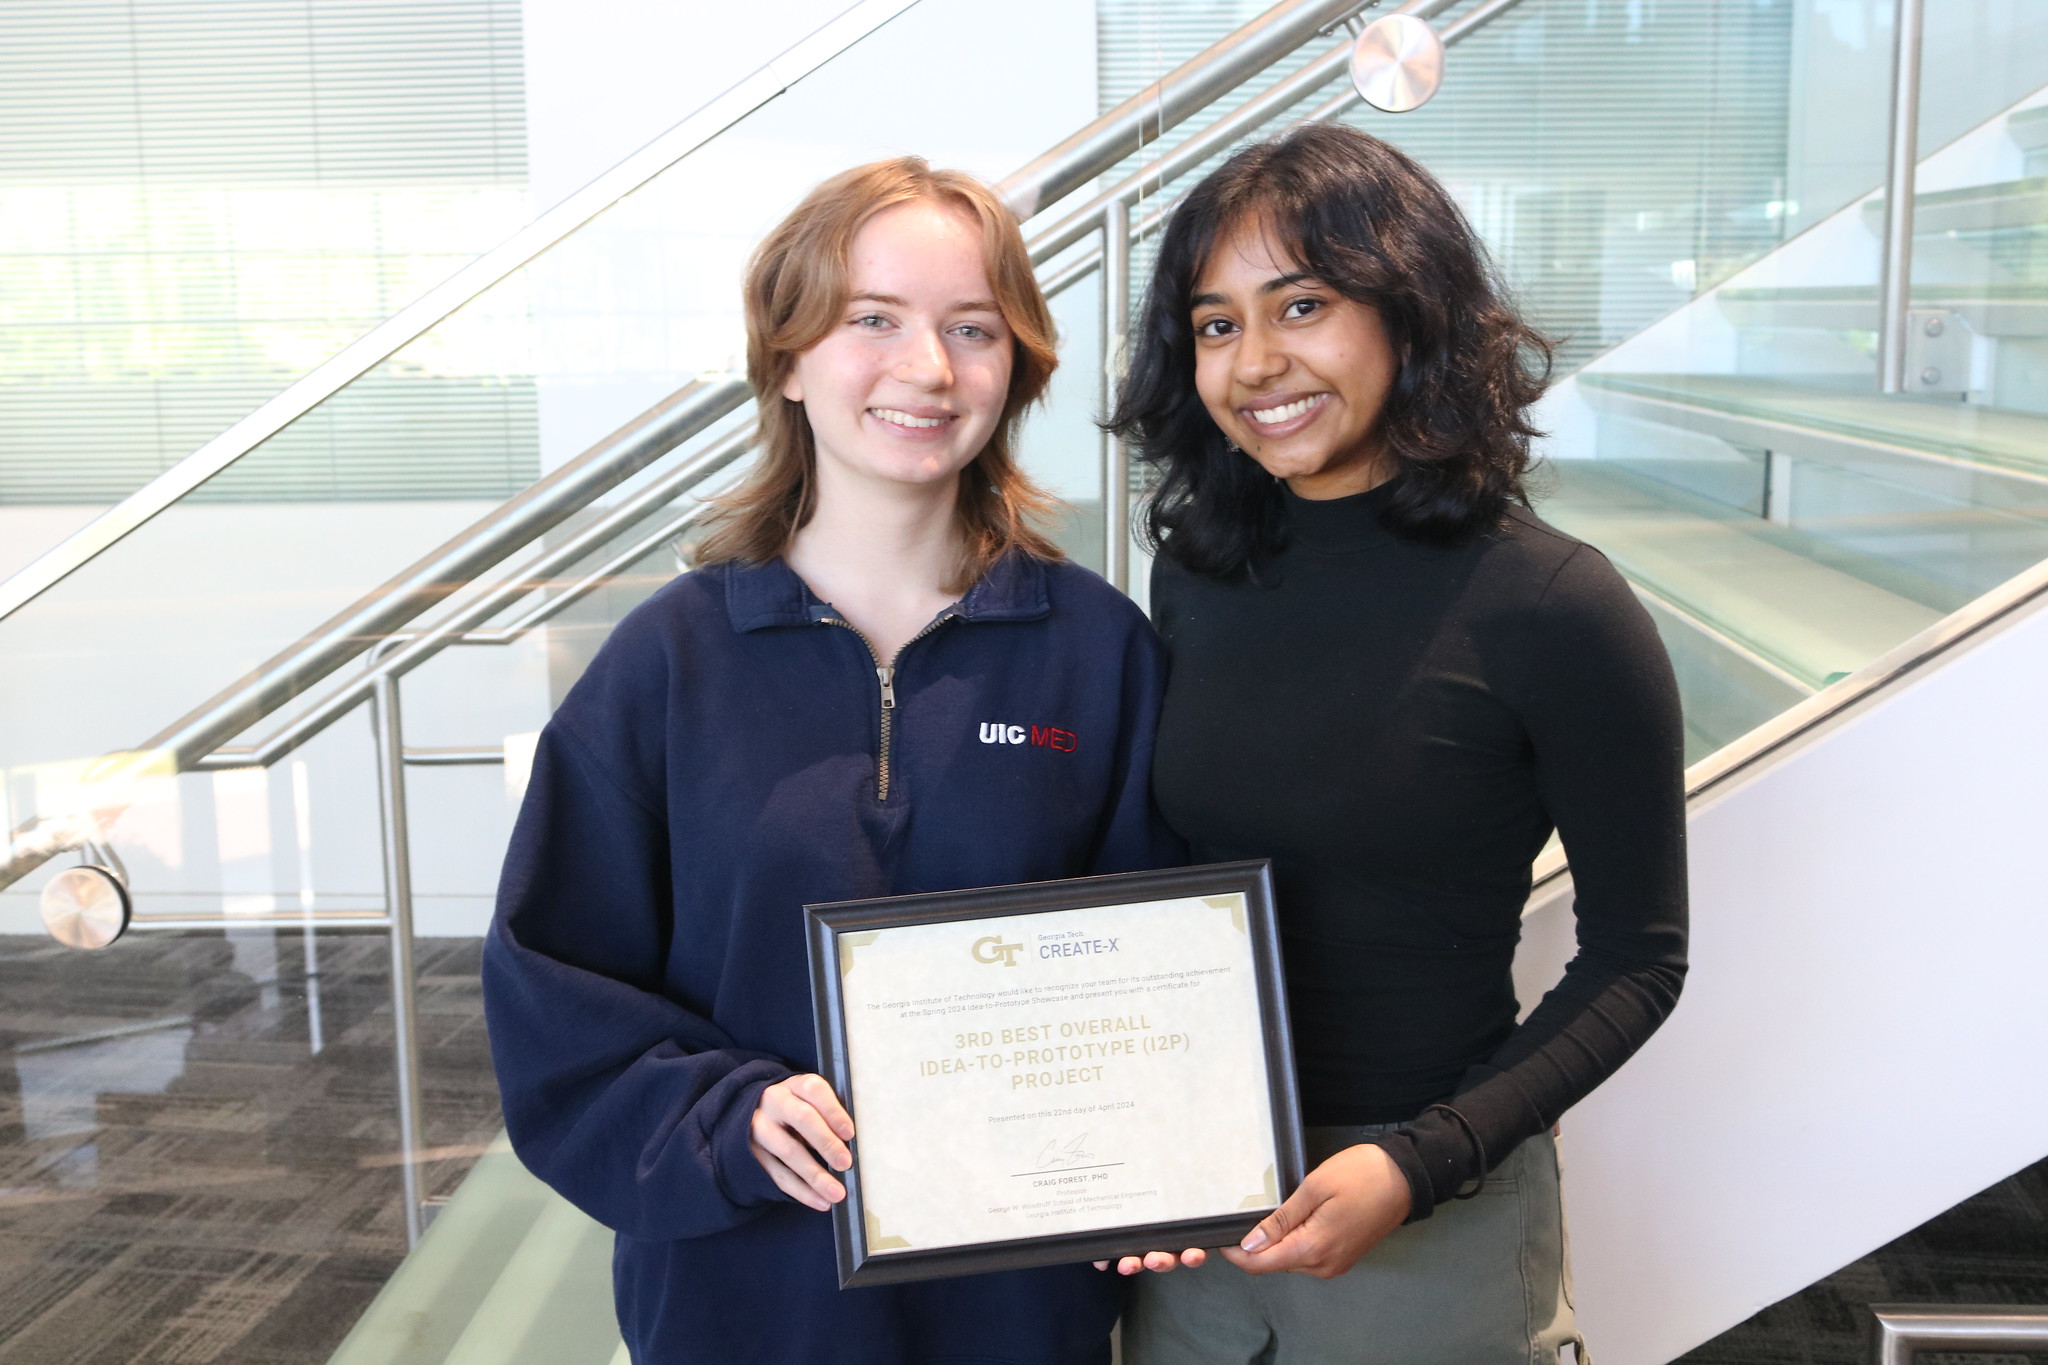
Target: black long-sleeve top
(1399,726)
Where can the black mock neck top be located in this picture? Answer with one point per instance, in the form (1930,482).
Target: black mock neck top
(1399,726)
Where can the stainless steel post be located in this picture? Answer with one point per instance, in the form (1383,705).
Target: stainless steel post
(1896,287)
(1116,314)
(390,732)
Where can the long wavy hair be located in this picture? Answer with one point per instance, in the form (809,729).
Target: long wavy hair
(1375,227)
(796,287)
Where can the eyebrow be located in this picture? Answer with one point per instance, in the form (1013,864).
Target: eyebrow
(892,301)
(1276,283)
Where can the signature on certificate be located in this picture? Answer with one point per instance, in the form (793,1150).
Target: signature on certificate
(1064,1152)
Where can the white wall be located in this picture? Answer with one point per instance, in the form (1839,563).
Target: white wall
(1860,1042)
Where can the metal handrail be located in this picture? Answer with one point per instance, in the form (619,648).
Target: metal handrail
(408,652)
(1903,1330)
(193,742)
(1187,89)
(380,343)
(488,542)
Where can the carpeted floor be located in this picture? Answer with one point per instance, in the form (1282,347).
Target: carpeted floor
(184,1180)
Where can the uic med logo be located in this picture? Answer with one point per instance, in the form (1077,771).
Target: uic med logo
(993,950)
(1042,736)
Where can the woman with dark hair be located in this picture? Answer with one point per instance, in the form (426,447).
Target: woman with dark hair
(1392,678)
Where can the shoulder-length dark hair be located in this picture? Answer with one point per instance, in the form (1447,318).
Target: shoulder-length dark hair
(1378,229)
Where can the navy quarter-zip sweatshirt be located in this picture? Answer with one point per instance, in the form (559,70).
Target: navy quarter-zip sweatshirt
(725,760)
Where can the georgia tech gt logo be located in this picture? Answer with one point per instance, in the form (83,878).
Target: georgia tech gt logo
(993,949)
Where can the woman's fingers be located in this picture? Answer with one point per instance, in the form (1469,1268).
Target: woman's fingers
(796,1110)
(795,1156)
(1266,1246)
(797,1122)
(789,1182)
(1157,1261)
(817,1092)
(1344,1208)
(1290,1215)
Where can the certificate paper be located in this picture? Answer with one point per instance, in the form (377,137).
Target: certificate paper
(1028,1082)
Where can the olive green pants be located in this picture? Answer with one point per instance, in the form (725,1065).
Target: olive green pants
(1482,1281)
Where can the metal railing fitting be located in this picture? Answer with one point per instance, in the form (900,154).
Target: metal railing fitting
(453,757)
(1902,162)
(380,343)
(1905,1329)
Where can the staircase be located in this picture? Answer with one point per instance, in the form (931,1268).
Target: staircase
(1785,522)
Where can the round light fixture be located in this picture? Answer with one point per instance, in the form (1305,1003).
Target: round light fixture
(1397,63)
(85,907)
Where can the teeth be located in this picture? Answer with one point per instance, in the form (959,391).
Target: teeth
(904,419)
(1287,412)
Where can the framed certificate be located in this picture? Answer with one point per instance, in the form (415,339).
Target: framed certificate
(1058,1071)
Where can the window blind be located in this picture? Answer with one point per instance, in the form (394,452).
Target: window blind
(200,200)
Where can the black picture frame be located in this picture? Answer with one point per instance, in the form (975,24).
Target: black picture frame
(825,923)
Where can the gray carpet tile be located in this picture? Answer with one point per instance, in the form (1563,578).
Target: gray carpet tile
(184,1180)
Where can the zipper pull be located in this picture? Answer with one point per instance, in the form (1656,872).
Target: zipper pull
(888,676)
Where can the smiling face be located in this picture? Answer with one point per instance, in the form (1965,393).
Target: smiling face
(1290,369)
(910,382)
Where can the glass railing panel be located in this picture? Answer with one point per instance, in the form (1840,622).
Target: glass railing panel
(1780,515)
(510,1272)
(532,371)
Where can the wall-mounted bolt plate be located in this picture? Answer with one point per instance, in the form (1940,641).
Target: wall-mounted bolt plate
(1397,63)
(1938,353)
(86,907)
